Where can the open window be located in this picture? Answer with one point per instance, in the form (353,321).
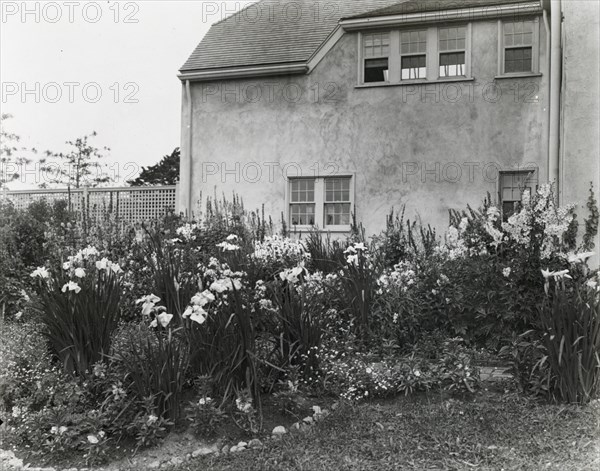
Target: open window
(376,50)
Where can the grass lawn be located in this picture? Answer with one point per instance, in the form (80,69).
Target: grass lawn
(490,431)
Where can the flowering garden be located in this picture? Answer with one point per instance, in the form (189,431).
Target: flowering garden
(115,338)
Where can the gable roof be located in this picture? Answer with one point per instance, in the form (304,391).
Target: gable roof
(281,36)
(274,32)
(421,6)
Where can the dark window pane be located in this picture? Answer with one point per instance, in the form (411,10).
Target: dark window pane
(518,60)
(337,214)
(337,189)
(414,67)
(302,214)
(452,64)
(376,70)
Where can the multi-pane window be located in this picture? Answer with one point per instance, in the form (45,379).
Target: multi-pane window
(376,50)
(413,55)
(512,186)
(302,201)
(452,49)
(518,46)
(325,202)
(337,202)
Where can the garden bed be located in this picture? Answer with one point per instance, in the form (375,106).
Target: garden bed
(220,344)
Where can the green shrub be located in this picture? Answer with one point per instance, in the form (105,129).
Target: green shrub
(79,307)
(570,332)
(154,361)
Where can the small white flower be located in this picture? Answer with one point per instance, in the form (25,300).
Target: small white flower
(18,315)
(62,429)
(562,274)
(152,419)
(66,266)
(89,251)
(196,314)
(116,268)
(151,298)
(291,275)
(227,247)
(79,272)
(103,264)
(71,286)
(232,238)
(506,272)
(154,324)
(93,439)
(40,272)
(202,299)
(580,257)
(164,318)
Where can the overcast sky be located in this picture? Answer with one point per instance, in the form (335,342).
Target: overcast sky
(72,67)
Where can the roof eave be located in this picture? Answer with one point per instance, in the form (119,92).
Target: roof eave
(443,16)
(243,72)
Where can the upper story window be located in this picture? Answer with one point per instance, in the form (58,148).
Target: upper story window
(519,47)
(413,52)
(452,50)
(415,55)
(376,50)
(325,202)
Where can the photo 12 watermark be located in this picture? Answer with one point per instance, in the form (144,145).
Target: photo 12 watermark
(69,92)
(270,11)
(69,12)
(46,174)
(406,172)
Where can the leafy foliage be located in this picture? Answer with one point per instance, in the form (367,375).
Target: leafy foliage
(166,172)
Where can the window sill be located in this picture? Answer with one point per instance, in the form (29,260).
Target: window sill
(406,83)
(305,229)
(522,75)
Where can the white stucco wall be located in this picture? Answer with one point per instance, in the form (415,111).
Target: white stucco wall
(580,136)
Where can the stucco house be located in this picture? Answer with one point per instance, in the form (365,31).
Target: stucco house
(319,109)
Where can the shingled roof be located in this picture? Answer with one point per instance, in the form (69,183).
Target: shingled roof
(420,6)
(272,32)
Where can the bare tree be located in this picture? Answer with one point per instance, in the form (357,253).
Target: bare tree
(12,156)
(78,167)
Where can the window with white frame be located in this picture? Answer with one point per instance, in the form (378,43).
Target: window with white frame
(452,51)
(324,202)
(302,202)
(408,54)
(519,43)
(413,55)
(376,50)
(512,186)
(337,202)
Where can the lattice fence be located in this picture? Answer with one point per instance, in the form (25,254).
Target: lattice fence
(129,204)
